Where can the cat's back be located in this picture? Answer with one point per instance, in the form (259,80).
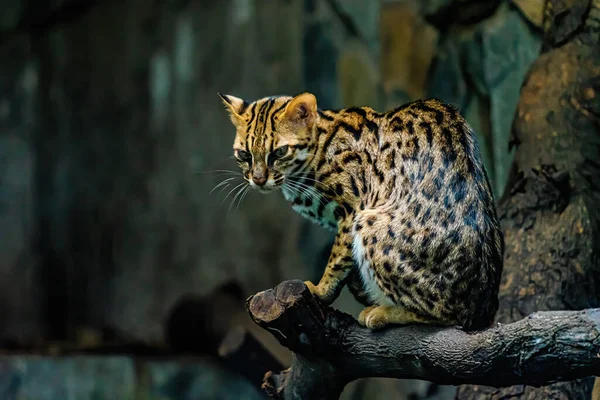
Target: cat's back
(443,186)
(432,131)
(444,215)
(436,154)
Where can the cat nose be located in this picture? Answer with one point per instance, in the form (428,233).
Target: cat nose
(259,180)
(260,174)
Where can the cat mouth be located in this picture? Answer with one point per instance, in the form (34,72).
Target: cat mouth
(269,189)
(265,189)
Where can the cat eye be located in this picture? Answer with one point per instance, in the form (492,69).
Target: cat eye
(280,151)
(244,156)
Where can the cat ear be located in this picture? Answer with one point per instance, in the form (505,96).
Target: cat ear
(302,109)
(235,106)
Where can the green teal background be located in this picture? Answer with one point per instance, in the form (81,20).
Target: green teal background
(110,119)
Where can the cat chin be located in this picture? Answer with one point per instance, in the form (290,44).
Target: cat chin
(267,190)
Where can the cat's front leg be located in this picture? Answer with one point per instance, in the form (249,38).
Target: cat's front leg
(340,264)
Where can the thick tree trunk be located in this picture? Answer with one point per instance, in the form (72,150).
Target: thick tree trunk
(549,211)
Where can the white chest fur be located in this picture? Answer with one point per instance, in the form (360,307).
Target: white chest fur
(370,285)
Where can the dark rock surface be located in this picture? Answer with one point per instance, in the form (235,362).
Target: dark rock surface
(480,69)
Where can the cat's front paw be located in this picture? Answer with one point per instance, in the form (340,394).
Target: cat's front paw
(323,295)
(311,287)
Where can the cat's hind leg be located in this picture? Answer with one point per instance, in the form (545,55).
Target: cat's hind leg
(364,313)
(378,317)
(393,272)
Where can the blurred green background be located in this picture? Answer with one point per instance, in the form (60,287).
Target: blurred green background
(109,119)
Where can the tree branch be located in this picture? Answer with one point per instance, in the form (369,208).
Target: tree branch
(332,349)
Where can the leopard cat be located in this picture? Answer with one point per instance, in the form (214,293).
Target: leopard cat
(417,235)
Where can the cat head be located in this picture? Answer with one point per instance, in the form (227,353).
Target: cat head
(275,137)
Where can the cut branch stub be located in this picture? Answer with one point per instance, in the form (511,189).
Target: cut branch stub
(291,314)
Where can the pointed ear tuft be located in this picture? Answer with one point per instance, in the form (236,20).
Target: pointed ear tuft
(302,109)
(234,105)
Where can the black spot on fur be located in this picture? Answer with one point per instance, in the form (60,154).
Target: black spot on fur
(454,237)
(386,250)
(347,207)
(348,158)
(321,208)
(471,217)
(437,182)
(409,281)
(387,266)
(339,213)
(357,110)
(441,253)
(397,124)
(325,116)
(417,210)
(426,216)
(355,190)
(372,127)
(458,186)
(428,132)
(410,127)
(440,286)
(379,174)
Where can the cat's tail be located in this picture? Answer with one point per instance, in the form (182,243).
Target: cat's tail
(486,302)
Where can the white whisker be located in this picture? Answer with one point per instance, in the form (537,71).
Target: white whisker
(304,192)
(225,182)
(292,189)
(246,190)
(313,180)
(231,191)
(219,170)
(238,195)
(311,191)
(298,187)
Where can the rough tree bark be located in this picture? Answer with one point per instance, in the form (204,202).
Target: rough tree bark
(332,349)
(549,211)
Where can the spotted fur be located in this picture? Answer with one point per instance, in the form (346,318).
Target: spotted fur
(418,238)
